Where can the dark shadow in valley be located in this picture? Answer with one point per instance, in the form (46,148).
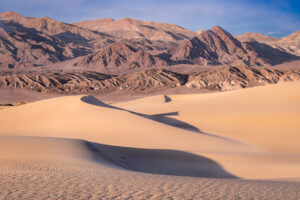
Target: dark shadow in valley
(158,161)
(161,118)
(273,55)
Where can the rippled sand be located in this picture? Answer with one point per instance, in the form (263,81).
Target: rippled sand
(241,144)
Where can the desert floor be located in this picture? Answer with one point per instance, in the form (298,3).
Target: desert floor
(241,144)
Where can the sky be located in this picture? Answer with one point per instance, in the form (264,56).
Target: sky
(275,18)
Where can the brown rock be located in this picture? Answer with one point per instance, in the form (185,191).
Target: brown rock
(128,28)
(119,57)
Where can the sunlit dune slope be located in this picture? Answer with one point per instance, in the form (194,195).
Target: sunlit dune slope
(249,133)
(75,117)
(266,116)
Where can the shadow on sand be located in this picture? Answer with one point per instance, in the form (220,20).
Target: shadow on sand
(155,161)
(158,161)
(161,118)
(167,99)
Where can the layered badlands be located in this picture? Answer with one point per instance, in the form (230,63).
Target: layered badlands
(152,80)
(241,144)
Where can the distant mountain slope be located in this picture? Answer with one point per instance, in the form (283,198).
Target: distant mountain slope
(289,44)
(52,27)
(128,28)
(22,47)
(122,45)
(120,56)
(217,47)
(249,37)
(26,41)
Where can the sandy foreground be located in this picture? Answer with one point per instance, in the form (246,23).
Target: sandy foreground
(242,144)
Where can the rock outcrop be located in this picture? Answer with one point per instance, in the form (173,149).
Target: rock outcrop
(219,47)
(128,28)
(215,79)
(120,56)
(289,44)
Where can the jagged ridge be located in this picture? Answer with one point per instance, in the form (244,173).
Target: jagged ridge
(223,78)
(32,42)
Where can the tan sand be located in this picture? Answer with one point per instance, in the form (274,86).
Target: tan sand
(243,134)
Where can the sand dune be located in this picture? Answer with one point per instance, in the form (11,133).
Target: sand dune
(265,116)
(157,161)
(65,169)
(243,134)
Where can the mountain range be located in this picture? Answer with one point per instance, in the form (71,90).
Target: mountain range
(129,44)
(43,54)
(289,44)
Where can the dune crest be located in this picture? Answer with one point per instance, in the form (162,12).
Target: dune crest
(80,147)
(202,125)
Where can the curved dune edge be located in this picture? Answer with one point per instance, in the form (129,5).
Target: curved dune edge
(156,161)
(56,168)
(193,130)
